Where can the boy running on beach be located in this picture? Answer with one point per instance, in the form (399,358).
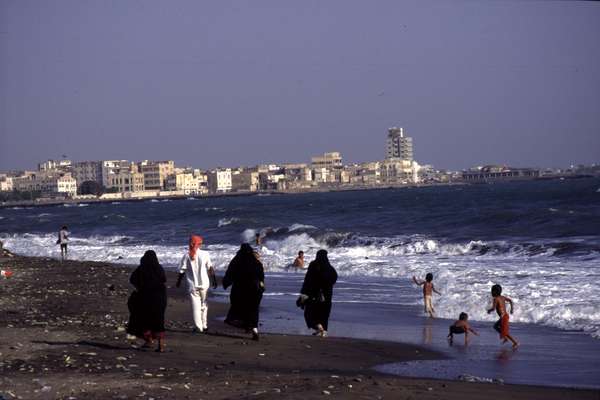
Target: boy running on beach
(461,326)
(428,290)
(499,304)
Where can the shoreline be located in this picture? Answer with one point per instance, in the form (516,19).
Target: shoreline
(62,337)
(326,189)
(59,202)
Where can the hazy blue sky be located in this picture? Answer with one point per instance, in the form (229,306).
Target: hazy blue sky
(243,82)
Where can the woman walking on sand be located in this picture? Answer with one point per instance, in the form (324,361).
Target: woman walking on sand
(246,276)
(317,292)
(148,303)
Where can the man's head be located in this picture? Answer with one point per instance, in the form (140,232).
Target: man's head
(429,277)
(195,244)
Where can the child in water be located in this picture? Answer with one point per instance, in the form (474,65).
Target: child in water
(461,326)
(428,290)
(499,304)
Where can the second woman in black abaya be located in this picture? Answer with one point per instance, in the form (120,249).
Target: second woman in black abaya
(246,277)
(317,292)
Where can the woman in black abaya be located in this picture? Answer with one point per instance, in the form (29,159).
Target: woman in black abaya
(246,276)
(148,302)
(317,292)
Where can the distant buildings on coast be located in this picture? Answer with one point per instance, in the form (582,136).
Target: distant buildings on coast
(123,179)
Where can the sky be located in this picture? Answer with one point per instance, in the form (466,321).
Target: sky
(230,83)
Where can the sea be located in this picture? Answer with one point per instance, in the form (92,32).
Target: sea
(539,239)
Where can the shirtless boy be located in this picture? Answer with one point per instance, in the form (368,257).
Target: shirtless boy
(461,326)
(299,261)
(428,290)
(499,304)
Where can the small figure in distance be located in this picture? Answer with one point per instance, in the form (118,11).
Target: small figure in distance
(502,325)
(461,326)
(258,239)
(63,240)
(428,290)
(299,261)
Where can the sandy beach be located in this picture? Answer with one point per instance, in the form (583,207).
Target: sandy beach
(62,337)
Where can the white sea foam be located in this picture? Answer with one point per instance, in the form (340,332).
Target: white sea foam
(227,221)
(559,292)
(207,209)
(297,227)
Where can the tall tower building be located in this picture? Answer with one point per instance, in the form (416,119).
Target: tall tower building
(398,145)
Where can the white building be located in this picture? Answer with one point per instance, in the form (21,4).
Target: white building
(395,171)
(110,166)
(6,183)
(183,181)
(219,180)
(54,164)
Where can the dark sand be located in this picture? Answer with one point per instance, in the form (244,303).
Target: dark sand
(62,337)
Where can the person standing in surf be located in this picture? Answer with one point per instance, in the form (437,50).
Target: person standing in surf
(299,261)
(246,276)
(428,290)
(148,303)
(502,325)
(317,292)
(198,270)
(63,241)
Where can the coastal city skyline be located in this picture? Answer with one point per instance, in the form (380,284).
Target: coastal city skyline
(83,180)
(215,84)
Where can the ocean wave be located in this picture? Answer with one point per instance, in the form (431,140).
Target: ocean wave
(545,290)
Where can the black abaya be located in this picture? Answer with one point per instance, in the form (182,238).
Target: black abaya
(318,286)
(148,303)
(245,275)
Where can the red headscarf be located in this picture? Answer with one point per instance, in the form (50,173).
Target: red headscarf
(195,242)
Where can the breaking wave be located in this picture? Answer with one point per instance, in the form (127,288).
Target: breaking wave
(546,290)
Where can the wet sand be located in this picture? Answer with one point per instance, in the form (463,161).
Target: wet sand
(62,337)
